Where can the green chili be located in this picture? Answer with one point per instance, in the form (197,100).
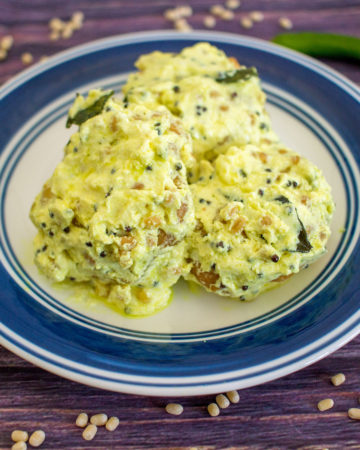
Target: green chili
(326,45)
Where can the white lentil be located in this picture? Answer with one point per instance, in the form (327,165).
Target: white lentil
(227,15)
(27,58)
(325,404)
(7,42)
(233,396)
(256,16)
(338,379)
(184,11)
(77,20)
(112,423)
(222,401)
(67,32)
(89,432)
(20,445)
(354,413)
(43,58)
(99,419)
(217,10)
(54,35)
(246,22)
(209,21)
(56,24)
(19,435)
(182,25)
(82,420)
(213,409)
(285,23)
(3,54)
(37,438)
(174,408)
(232,4)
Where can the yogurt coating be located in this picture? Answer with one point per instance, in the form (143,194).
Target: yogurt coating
(263,213)
(117,208)
(219,102)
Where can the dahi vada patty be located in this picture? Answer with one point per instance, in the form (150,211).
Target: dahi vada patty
(218,101)
(117,208)
(262,214)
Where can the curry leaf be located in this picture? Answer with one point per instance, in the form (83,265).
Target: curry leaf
(91,111)
(232,76)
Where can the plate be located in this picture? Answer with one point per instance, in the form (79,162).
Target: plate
(201,343)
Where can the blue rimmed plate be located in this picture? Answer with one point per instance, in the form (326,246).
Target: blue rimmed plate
(201,343)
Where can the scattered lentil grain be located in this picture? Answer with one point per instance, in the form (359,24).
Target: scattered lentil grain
(174,408)
(19,435)
(233,396)
(7,42)
(3,54)
(37,438)
(227,15)
(222,401)
(54,35)
(112,423)
(56,24)
(182,25)
(213,409)
(77,20)
(232,4)
(256,16)
(89,432)
(27,58)
(99,419)
(68,31)
(246,22)
(354,413)
(338,379)
(285,23)
(325,404)
(82,420)
(209,22)
(217,10)
(20,445)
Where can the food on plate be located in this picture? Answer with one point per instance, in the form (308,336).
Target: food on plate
(263,213)
(218,101)
(117,208)
(183,176)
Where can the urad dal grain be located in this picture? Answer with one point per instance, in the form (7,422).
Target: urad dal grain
(325,404)
(174,408)
(7,42)
(354,413)
(27,58)
(112,423)
(37,438)
(99,419)
(222,401)
(246,22)
(338,379)
(256,16)
(19,435)
(82,420)
(233,396)
(3,54)
(209,21)
(21,445)
(89,433)
(232,4)
(56,24)
(285,23)
(217,10)
(213,409)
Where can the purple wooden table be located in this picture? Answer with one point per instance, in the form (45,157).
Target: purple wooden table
(281,414)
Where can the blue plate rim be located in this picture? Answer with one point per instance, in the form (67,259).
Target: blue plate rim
(55,60)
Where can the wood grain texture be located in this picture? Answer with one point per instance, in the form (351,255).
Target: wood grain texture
(277,415)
